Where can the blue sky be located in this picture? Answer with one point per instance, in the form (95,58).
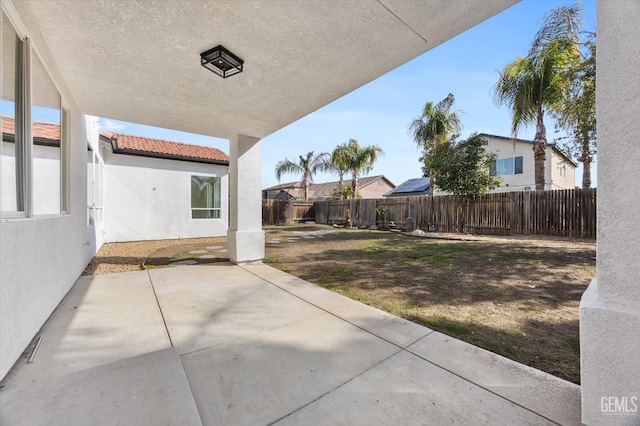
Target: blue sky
(381,111)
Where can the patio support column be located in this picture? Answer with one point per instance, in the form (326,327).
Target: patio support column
(610,308)
(245,237)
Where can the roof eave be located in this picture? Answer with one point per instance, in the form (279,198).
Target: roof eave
(138,153)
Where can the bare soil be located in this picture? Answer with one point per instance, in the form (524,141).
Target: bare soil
(518,297)
(131,256)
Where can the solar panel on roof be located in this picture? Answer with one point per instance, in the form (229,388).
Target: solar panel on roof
(413,185)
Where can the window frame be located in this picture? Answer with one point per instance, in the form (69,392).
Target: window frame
(512,162)
(23,120)
(22,131)
(215,211)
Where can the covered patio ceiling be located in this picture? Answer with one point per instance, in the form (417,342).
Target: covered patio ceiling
(139,60)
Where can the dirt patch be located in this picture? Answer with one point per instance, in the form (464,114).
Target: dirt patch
(130,256)
(518,297)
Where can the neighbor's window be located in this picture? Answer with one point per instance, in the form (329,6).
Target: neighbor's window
(507,166)
(563,170)
(205,197)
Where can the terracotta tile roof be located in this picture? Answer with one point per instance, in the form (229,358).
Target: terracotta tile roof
(42,132)
(49,133)
(149,147)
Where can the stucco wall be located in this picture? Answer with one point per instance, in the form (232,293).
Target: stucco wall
(375,189)
(555,164)
(610,308)
(41,257)
(150,199)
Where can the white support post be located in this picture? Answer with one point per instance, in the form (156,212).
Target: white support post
(245,237)
(610,308)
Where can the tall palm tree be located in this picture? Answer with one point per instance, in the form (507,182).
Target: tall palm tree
(340,161)
(436,124)
(307,165)
(577,115)
(536,83)
(359,160)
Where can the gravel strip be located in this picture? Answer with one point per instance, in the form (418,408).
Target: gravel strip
(124,257)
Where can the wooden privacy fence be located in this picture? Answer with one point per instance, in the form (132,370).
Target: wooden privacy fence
(280,212)
(567,213)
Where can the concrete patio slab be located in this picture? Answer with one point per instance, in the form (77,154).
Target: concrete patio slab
(551,397)
(389,327)
(406,390)
(103,318)
(382,324)
(204,312)
(318,296)
(257,380)
(149,389)
(254,345)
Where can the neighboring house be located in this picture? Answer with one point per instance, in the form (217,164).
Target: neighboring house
(368,187)
(285,191)
(515,165)
(412,187)
(156,189)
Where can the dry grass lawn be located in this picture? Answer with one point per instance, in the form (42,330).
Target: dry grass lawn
(516,297)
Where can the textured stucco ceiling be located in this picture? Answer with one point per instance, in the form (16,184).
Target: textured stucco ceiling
(139,60)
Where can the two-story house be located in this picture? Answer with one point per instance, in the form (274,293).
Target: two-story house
(515,164)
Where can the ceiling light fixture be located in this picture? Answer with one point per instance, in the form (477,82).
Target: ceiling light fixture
(222,62)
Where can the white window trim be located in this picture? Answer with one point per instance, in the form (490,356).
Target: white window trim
(23,108)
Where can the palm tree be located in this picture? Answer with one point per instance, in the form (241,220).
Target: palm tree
(340,162)
(359,160)
(577,115)
(536,83)
(436,125)
(307,165)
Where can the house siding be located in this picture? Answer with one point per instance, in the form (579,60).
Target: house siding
(505,148)
(150,199)
(42,257)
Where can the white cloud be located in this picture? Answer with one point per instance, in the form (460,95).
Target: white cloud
(112,125)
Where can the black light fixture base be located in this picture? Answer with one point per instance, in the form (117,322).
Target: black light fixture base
(221,62)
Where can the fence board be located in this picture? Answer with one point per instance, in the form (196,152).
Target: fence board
(567,213)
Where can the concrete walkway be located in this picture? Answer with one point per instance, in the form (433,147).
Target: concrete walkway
(223,344)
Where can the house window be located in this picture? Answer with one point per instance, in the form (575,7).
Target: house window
(31,153)
(563,170)
(13,149)
(46,114)
(205,197)
(507,166)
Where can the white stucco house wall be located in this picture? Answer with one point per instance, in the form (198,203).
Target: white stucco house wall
(138,188)
(515,165)
(77,59)
(156,189)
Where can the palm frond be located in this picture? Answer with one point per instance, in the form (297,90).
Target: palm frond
(286,166)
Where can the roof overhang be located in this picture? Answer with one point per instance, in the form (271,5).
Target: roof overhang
(139,61)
